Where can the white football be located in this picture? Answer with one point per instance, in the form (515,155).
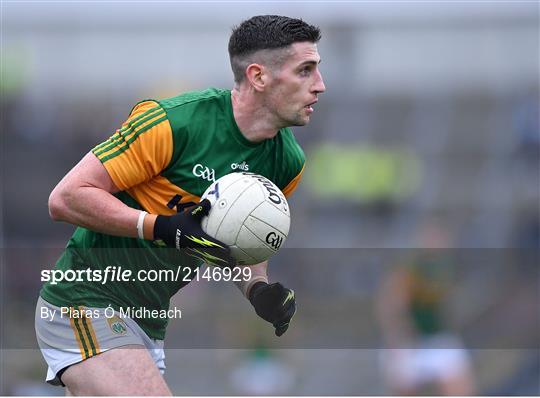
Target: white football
(249,214)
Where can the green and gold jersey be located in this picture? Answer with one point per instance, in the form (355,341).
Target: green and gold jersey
(163,158)
(428,281)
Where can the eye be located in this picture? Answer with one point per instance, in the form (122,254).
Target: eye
(305,71)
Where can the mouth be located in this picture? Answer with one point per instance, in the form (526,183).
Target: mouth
(309,107)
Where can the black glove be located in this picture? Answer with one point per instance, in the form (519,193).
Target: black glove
(183,231)
(274,303)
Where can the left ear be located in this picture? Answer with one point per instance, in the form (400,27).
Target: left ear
(258,76)
(266,75)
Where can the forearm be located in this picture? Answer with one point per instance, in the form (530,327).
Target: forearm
(259,273)
(85,198)
(100,211)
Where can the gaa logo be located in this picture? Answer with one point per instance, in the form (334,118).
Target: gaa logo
(274,240)
(206,173)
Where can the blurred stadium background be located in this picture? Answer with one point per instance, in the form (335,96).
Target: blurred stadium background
(427,137)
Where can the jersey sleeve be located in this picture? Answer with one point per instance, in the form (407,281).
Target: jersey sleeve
(291,186)
(140,149)
(292,164)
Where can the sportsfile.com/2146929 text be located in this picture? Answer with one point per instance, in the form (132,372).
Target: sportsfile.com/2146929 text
(121,274)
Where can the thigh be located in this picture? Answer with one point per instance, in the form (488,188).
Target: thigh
(66,341)
(128,370)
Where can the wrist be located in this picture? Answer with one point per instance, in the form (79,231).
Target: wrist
(148,226)
(140,224)
(245,286)
(254,289)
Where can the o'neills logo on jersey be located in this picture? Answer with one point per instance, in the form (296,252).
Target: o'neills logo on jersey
(206,173)
(240,166)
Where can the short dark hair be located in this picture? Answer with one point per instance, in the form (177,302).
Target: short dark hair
(265,32)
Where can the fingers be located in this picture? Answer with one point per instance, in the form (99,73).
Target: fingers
(230,263)
(202,245)
(289,303)
(281,328)
(222,251)
(215,257)
(205,241)
(276,291)
(202,209)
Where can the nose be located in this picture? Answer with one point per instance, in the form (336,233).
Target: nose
(318,85)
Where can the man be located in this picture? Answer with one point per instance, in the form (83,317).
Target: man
(423,356)
(130,192)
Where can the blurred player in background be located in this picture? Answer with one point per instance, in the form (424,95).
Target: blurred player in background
(130,192)
(423,357)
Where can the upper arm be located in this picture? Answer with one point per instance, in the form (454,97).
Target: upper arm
(89,172)
(140,149)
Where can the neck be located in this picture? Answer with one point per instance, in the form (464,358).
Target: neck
(252,117)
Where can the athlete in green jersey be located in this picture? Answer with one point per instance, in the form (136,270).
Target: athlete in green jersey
(190,140)
(128,197)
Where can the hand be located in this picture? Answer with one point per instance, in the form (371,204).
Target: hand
(274,303)
(183,231)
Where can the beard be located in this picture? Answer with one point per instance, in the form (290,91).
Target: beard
(296,119)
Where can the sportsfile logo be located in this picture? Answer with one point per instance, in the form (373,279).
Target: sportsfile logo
(206,173)
(240,166)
